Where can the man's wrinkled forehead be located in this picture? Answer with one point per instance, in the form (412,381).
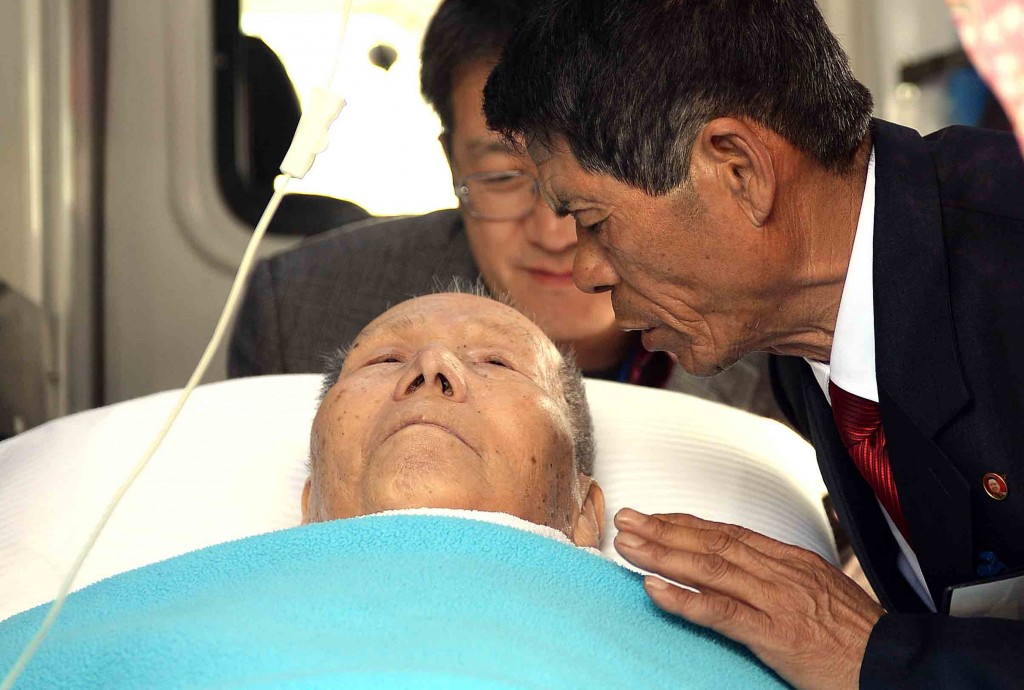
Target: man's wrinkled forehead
(563,183)
(478,325)
(392,323)
(543,156)
(475,320)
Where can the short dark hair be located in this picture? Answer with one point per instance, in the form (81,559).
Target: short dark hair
(570,379)
(462,32)
(630,83)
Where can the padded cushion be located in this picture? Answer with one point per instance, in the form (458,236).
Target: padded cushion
(234,465)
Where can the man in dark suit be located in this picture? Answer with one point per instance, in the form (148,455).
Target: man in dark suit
(732,194)
(305,303)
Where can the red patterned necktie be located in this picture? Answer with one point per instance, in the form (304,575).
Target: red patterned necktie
(860,427)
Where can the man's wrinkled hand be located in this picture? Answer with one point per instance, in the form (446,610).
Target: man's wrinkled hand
(801,616)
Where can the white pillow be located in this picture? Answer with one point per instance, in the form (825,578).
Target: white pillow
(234,465)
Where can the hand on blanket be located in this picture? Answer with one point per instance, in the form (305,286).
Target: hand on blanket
(798,614)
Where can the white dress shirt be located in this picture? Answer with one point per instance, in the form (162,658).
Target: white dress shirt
(852,360)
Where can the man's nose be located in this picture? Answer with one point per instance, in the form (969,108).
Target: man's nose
(549,232)
(591,270)
(433,371)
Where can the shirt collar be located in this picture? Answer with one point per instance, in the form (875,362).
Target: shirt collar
(852,361)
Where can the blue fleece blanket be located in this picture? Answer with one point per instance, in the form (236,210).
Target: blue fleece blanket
(380,602)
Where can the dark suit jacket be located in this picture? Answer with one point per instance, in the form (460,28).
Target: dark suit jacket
(949,332)
(308,302)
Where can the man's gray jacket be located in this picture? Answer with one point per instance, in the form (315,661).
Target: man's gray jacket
(306,303)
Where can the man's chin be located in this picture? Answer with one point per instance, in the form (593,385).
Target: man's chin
(420,499)
(693,362)
(421,451)
(421,461)
(700,368)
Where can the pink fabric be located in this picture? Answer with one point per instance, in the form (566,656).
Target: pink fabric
(992,33)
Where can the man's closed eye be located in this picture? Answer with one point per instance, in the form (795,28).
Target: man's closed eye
(384,359)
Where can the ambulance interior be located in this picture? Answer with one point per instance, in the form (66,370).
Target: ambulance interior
(143,141)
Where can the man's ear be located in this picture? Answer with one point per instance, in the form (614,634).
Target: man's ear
(742,162)
(587,530)
(305,500)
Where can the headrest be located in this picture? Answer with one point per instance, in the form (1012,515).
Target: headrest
(234,466)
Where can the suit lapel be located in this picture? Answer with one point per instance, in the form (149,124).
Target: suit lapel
(937,507)
(859,512)
(920,381)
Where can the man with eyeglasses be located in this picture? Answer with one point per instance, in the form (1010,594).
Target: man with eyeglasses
(302,303)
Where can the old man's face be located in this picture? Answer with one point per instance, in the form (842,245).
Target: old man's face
(447,401)
(687,268)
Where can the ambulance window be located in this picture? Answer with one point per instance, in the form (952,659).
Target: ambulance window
(383,156)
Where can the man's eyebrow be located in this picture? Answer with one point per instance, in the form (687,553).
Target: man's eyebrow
(561,207)
(485,145)
(404,322)
(561,204)
(558,203)
(507,330)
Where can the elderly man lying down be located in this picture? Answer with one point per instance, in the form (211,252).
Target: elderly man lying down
(461,408)
(455,401)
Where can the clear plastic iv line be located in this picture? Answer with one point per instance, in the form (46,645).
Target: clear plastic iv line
(309,140)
